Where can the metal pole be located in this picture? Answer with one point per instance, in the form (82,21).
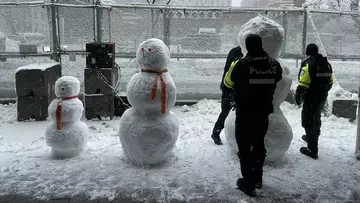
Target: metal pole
(304,32)
(99,18)
(94,21)
(283,49)
(166,15)
(55,45)
(357,148)
(109,11)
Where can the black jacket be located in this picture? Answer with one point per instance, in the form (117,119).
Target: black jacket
(255,79)
(234,54)
(315,79)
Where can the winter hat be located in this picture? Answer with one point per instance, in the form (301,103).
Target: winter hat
(253,44)
(312,50)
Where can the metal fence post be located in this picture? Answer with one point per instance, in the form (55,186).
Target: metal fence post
(99,18)
(304,32)
(357,147)
(55,33)
(167,27)
(284,24)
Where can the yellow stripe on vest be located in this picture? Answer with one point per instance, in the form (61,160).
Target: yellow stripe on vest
(304,79)
(227,79)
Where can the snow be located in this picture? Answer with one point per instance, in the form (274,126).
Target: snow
(71,139)
(36,66)
(198,169)
(271,32)
(149,130)
(148,140)
(67,86)
(279,134)
(153,55)
(343,5)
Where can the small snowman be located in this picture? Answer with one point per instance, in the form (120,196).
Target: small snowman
(149,130)
(67,135)
(279,134)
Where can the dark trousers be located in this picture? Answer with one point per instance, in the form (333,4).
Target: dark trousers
(311,120)
(250,132)
(226,99)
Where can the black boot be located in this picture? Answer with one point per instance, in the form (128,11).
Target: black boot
(305,138)
(258,173)
(258,183)
(241,185)
(306,151)
(216,137)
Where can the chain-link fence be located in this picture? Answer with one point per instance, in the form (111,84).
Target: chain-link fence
(199,38)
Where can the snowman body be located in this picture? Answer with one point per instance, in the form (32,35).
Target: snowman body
(149,130)
(139,90)
(67,135)
(279,134)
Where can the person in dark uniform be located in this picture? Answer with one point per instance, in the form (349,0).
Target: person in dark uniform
(254,80)
(315,80)
(226,96)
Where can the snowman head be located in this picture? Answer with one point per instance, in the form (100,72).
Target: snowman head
(153,54)
(67,86)
(272,34)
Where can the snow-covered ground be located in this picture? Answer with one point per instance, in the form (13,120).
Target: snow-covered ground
(197,171)
(194,78)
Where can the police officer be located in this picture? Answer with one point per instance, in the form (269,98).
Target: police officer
(254,80)
(315,80)
(226,96)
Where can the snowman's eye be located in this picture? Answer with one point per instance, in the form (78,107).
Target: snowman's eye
(142,49)
(149,49)
(62,88)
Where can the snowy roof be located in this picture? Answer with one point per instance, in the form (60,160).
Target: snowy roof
(37,66)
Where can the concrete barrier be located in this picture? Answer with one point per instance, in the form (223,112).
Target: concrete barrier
(345,108)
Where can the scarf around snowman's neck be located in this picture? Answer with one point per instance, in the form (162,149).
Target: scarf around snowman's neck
(58,110)
(154,88)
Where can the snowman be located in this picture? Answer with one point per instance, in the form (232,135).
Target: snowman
(67,135)
(149,130)
(279,134)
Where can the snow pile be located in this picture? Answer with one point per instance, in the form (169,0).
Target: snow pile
(343,5)
(198,171)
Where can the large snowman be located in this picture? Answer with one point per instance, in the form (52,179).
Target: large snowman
(149,130)
(67,135)
(279,134)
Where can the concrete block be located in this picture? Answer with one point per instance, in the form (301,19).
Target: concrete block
(99,81)
(98,105)
(345,108)
(27,49)
(32,108)
(37,80)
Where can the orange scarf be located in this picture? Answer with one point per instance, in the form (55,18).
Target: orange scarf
(154,88)
(58,111)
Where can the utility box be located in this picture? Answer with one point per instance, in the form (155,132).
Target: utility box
(35,89)
(100,79)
